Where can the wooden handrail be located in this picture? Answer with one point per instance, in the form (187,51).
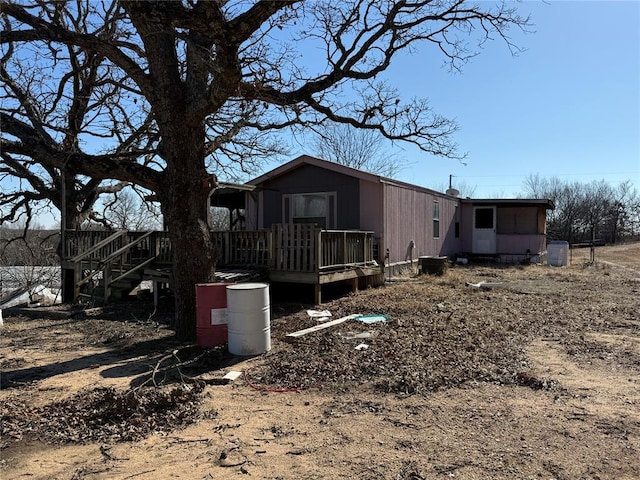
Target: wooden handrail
(106,261)
(137,267)
(126,248)
(98,246)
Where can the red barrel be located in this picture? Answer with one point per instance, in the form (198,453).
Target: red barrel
(211,313)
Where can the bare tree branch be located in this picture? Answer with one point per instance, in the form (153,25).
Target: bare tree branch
(220,83)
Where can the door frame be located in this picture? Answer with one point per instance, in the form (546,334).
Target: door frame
(484,239)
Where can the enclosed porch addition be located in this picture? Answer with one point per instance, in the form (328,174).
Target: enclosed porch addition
(507,230)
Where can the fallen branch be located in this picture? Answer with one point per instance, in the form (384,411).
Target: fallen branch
(158,368)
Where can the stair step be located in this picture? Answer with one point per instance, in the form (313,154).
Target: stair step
(85,297)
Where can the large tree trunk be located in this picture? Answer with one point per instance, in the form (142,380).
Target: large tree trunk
(184,205)
(177,105)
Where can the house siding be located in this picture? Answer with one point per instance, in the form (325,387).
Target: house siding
(520,244)
(408,215)
(398,212)
(312,179)
(466,228)
(251,213)
(371,206)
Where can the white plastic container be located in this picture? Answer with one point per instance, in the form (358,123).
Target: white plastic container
(558,253)
(249,318)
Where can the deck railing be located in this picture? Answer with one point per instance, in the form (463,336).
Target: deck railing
(109,260)
(345,248)
(242,247)
(285,247)
(97,245)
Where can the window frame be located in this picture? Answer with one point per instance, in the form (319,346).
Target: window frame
(330,214)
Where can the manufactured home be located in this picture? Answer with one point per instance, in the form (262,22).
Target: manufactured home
(316,222)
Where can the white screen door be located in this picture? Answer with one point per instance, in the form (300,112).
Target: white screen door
(484,230)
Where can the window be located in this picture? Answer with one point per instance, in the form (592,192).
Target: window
(436,219)
(317,208)
(484,218)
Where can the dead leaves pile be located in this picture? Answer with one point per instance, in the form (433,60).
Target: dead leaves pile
(442,334)
(104,414)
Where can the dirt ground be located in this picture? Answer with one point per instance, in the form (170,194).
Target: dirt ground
(533,377)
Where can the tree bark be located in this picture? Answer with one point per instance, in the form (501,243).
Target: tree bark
(184,205)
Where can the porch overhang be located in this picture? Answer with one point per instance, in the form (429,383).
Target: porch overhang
(510,202)
(230,195)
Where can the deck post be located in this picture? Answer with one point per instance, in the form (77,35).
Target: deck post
(318,251)
(106,278)
(226,238)
(156,285)
(317,293)
(345,258)
(77,275)
(67,284)
(354,285)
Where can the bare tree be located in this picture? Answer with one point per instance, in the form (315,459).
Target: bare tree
(45,114)
(561,222)
(587,211)
(212,73)
(128,210)
(356,148)
(624,214)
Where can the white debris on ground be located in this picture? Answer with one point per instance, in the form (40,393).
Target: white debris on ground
(319,315)
(38,295)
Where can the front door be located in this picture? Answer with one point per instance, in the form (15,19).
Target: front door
(484,230)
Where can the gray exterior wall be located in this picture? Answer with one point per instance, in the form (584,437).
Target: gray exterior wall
(252,200)
(311,179)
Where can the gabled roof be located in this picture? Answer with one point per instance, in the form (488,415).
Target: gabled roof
(336,167)
(361,174)
(309,160)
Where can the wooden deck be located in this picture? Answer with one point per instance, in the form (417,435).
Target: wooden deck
(297,253)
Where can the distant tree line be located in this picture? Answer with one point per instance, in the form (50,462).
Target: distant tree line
(26,257)
(586,212)
(28,247)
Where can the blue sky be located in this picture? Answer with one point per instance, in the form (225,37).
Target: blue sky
(568,106)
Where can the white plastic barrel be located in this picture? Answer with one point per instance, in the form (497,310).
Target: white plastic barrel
(249,318)
(558,253)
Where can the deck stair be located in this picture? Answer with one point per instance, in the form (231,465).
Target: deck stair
(112,268)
